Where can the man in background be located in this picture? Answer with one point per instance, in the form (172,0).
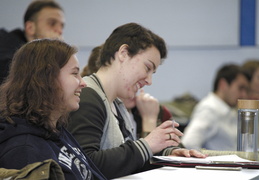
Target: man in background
(213,123)
(42,19)
(251,67)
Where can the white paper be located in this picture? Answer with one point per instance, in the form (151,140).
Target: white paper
(209,159)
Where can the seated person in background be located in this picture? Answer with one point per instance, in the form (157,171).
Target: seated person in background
(93,63)
(213,123)
(42,19)
(145,111)
(251,67)
(102,125)
(42,88)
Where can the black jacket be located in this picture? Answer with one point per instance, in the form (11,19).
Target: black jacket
(87,124)
(9,43)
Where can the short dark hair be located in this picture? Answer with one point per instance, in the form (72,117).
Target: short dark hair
(38,5)
(229,72)
(136,37)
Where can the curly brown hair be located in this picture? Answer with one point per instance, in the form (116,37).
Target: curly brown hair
(32,90)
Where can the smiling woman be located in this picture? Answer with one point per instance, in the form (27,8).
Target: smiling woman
(42,88)
(71,83)
(102,125)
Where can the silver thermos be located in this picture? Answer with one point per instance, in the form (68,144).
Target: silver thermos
(247,135)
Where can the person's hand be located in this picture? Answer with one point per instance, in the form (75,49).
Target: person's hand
(188,153)
(148,107)
(164,136)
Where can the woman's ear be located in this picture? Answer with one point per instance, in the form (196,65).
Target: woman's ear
(123,52)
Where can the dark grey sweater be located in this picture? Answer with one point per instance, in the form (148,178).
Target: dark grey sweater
(98,132)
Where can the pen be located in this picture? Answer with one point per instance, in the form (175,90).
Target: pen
(173,122)
(219,168)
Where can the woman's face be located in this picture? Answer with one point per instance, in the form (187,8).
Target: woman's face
(71,83)
(137,71)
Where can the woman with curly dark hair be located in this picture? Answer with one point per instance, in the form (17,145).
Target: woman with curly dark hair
(42,88)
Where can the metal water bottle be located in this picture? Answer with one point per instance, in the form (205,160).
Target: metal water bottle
(247,135)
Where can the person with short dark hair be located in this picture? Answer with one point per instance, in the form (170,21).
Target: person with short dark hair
(42,88)
(102,126)
(42,19)
(213,123)
(145,111)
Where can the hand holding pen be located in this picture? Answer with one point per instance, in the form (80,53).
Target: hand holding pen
(173,121)
(164,136)
(173,125)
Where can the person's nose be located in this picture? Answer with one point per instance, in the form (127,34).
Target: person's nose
(148,80)
(59,29)
(82,83)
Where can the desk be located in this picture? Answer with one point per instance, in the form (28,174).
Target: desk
(182,173)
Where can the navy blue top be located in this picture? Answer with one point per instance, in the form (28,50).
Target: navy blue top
(24,143)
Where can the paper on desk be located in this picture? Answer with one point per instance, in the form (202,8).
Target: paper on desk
(210,159)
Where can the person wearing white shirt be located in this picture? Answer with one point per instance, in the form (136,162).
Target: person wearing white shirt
(213,123)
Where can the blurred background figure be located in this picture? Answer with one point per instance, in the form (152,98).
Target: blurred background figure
(42,19)
(146,112)
(251,67)
(93,63)
(213,123)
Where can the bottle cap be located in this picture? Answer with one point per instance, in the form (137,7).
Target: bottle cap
(247,104)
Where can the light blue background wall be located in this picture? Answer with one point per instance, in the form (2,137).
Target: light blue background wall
(201,35)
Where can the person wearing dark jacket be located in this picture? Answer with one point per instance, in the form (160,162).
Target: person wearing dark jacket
(42,88)
(102,125)
(145,111)
(42,19)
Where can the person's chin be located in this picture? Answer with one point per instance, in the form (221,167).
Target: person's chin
(133,95)
(75,108)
